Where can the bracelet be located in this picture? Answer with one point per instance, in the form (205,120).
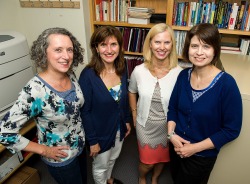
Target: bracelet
(169,136)
(133,110)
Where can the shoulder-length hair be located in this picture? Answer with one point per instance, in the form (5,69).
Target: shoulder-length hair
(99,36)
(207,33)
(38,50)
(147,53)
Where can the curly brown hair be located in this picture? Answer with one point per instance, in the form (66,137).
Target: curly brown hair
(38,50)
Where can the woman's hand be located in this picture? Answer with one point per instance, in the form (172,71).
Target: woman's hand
(186,151)
(178,141)
(94,150)
(128,129)
(55,152)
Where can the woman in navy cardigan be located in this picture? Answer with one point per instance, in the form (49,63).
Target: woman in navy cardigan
(205,109)
(106,112)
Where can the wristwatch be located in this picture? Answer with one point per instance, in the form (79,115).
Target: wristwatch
(170,135)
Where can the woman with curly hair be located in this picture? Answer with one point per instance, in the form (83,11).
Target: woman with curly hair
(53,98)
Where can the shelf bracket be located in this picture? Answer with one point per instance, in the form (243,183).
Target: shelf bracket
(50,4)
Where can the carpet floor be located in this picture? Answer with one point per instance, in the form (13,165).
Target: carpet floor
(125,169)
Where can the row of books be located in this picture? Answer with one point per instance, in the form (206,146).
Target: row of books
(240,16)
(242,49)
(180,39)
(223,14)
(132,62)
(133,38)
(112,10)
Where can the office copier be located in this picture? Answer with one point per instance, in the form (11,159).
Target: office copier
(16,68)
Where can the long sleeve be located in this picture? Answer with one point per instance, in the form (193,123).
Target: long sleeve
(231,109)
(216,114)
(86,110)
(25,107)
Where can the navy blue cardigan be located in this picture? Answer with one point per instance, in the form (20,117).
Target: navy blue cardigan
(217,114)
(101,114)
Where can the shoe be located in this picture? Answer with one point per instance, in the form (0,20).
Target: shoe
(116,181)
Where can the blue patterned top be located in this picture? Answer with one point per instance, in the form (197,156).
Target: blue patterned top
(58,119)
(116,92)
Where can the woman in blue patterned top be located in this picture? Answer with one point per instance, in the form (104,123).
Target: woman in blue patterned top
(53,98)
(205,109)
(106,110)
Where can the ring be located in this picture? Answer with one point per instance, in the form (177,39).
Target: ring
(181,156)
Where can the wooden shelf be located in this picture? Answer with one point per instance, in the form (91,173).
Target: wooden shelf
(122,24)
(25,129)
(14,170)
(133,53)
(223,31)
(160,6)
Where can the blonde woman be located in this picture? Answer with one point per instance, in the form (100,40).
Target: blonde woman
(153,82)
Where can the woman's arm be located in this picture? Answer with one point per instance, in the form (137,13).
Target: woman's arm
(55,152)
(133,105)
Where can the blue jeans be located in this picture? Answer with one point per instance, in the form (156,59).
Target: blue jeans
(75,172)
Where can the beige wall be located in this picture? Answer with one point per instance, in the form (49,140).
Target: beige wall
(32,21)
(233,163)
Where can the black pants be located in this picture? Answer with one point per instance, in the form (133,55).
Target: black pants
(75,172)
(191,170)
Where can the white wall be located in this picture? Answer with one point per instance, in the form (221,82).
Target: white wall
(32,21)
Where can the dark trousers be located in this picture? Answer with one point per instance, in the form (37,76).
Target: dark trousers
(75,172)
(191,170)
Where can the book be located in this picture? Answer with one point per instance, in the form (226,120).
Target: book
(97,10)
(230,40)
(241,12)
(174,13)
(229,11)
(132,20)
(237,17)
(248,23)
(185,14)
(196,13)
(139,9)
(231,51)
(230,48)
(105,10)
(233,15)
(193,14)
(245,15)
(212,14)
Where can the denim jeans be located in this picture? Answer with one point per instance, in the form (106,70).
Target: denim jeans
(75,172)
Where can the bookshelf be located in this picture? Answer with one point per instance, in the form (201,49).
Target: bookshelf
(25,130)
(166,7)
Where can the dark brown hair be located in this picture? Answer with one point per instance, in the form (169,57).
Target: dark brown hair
(99,36)
(207,33)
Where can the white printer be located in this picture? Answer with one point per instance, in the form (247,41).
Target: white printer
(15,67)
